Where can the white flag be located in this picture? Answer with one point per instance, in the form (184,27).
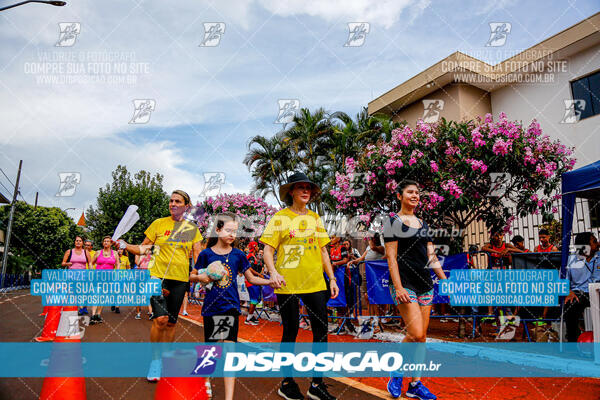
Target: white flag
(129,219)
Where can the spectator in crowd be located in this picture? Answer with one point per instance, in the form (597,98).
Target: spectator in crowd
(519,242)
(254,291)
(352,281)
(583,269)
(339,255)
(499,251)
(545,245)
(499,258)
(374,251)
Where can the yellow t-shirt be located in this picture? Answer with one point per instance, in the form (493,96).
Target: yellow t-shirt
(124,262)
(173,241)
(298,240)
(89,265)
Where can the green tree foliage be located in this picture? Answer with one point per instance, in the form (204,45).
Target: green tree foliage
(40,236)
(144,190)
(316,143)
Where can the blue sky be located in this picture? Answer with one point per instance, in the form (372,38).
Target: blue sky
(211,100)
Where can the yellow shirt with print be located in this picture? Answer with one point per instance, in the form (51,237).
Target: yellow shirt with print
(124,262)
(298,240)
(173,241)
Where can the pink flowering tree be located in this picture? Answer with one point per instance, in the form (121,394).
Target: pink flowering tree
(253,212)
(479,170)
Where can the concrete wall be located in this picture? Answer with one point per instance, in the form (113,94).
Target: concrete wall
(545,102)
(461,102)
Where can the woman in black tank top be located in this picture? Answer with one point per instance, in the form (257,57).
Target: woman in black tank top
(410,254)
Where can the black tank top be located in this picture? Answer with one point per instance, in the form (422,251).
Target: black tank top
(412,254)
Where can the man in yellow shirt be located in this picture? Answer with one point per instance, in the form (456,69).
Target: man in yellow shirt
(173,239)
(124,260)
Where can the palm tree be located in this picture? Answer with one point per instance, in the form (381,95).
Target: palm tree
(306,135)
(269,162)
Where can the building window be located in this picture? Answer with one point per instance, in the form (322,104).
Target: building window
(587,89)
(594,206)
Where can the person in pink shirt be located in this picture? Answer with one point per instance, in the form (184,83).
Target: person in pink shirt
(77,258)
(105,259)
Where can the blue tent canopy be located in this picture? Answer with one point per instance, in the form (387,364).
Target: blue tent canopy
(583,182)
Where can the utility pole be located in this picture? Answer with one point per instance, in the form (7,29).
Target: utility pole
(9,227)
(36,198)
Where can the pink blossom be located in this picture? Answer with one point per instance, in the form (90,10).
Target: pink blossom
(434,166)
(451,187)
(477,164)
(477,138)
(412,161)
(451,150)
(391,185)
(502,147)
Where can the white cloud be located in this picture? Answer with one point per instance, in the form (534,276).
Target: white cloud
(385,13)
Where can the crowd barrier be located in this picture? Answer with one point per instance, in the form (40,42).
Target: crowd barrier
(15,282)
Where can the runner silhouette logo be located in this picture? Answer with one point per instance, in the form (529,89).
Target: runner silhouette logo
(223,324)
(207,359)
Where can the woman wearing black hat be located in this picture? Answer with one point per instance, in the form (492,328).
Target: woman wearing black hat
(299,237)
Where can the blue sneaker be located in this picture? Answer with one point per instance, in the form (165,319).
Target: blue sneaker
(419,391)
(394,386)
(154,371)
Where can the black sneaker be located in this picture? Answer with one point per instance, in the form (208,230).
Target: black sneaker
(319,392)
(117,311)
(290,391)
(112,308)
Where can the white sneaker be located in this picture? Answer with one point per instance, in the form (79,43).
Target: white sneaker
(154,371)
(185,313)
(251,321)
(138,316)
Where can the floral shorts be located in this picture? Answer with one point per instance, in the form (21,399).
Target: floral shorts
(424,299)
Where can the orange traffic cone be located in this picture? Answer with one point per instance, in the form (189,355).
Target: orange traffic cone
(182,363)
(65,379)
(50,324)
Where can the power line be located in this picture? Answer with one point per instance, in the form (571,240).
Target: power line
(7,189)
(7,177)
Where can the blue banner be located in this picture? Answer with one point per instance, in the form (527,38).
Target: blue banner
(378,278)
(339,301)
(95,287)
(455,261)
(378,281)
(496,287)
(301,359)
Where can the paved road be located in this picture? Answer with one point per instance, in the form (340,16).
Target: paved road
(20,323)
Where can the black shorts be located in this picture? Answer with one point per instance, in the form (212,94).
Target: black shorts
(223,326)
(169,304)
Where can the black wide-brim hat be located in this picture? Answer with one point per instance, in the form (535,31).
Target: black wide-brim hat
(296,177)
